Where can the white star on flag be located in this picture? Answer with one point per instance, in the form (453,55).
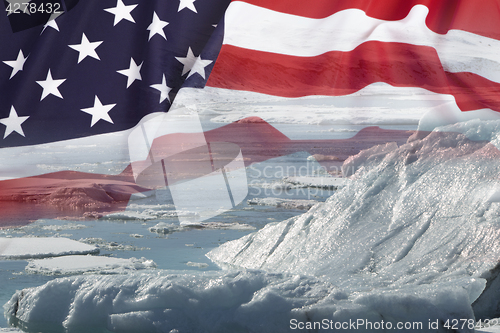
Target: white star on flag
(99,111)
(52,22)
(86,49)
(17,65)
(189,4)
(163,89)
(13,123)
(156,27)
(193,64)
(50,86)
(132,73)
(121,12)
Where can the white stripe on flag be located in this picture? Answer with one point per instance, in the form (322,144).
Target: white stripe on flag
(265,30)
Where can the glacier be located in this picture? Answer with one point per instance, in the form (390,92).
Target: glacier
(413,237)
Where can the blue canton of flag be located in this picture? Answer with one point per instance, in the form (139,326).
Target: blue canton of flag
(96,67)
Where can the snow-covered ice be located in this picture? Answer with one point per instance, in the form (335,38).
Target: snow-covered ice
(246,301)
(79,264)
(283,203)
(42,247)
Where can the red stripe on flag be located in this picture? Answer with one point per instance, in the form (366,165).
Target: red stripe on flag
(340,73)
(482,18)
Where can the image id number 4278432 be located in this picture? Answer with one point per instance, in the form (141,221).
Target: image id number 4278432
(33,8)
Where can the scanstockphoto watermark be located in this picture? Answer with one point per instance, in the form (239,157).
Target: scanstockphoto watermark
(370,326)
(280,171)
(360,324)
(292,180)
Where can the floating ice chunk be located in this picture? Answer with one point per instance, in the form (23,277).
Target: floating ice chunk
(165,228)
(168,228)
(321,157)
(283,203)
(161,207)
(42,247)
(130,215)
(197,264)
(319,182)
(110,246)
(223,226)
(40,225)
(147,215)
(71,265)
(277,185)
(290,183)
(69,226)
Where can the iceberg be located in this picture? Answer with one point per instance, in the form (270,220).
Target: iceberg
(410,243)
(412,215)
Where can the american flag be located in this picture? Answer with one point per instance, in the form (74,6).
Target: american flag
(338,47)
(102,66)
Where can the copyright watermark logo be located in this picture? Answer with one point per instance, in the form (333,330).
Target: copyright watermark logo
(26,14)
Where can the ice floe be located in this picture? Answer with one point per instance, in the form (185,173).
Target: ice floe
(110,246)
(283,203)
(79,264)
(197,264)
(168,228)
(147,215)
(44,226)
(42,247)
(317,182)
